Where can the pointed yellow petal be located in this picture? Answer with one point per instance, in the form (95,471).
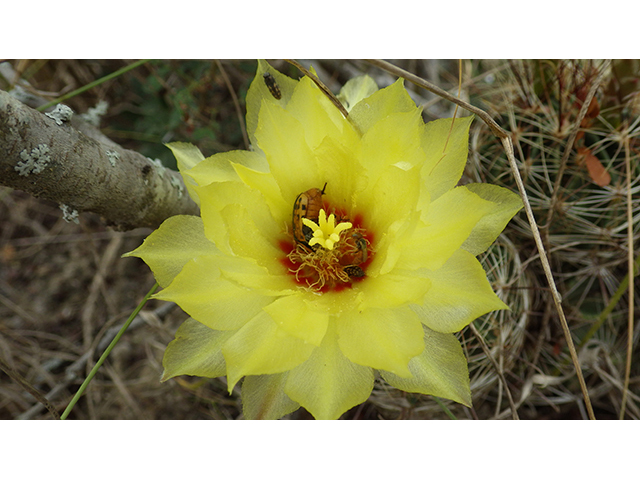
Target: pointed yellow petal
(258,93)
(448,223)
(187,157)
(355,90)
(459,293)
(195,351)
(179,239)
(261,347)
(381,338)
(315,111)
(220,167)
(328,384)
(263,397)
(382,103)
(507,204)
(440,370)
(443,168)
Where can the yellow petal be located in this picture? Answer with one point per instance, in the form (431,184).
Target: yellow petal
(339,164)
(220,167)
(252,240)
(266,184)
(328,384)
(440,370)
(195,351)
(258,93)
(355,90)
(219,196)
(381,338)
(379,105)
(187,157)
(448,223)
(459,293)
(263,397)
(261,347)
(315,111)
(507,204)
(443,168)
(394,140)
(293,316)
(212,300)
(179,239)
(291,161)
(393,290)
(393,198)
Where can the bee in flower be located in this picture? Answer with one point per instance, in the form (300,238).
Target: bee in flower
(377,283)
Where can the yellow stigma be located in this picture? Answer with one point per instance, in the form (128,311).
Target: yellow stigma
(327,234)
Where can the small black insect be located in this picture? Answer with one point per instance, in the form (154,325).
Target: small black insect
(354,271)
(273,87)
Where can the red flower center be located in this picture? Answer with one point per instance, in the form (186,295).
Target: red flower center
(320,269)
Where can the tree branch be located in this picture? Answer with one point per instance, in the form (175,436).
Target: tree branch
(44,155)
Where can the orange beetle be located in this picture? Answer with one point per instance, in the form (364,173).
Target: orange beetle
(307,205)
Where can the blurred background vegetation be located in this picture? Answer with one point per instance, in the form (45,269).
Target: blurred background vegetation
(64,289)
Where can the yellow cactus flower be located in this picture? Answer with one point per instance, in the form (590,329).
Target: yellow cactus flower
(307,308)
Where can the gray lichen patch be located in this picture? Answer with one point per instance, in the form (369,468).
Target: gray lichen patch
(61,114)
(113,156)
(34,162)
(93,114)
(158,164)
(176,183)
(69,214)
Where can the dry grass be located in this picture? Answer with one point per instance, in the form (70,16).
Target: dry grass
(64,290)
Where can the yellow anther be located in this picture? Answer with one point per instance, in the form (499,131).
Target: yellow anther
(326,233)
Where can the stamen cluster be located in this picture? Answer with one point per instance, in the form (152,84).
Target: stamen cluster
(331,258)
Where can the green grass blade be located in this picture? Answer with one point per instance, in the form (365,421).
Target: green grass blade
(106,353)
(91,85)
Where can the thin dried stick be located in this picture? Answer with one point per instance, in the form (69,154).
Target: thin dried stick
(631,264)
(322,87)
(29,388)
(236,103)
(505,139)
(487,352)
